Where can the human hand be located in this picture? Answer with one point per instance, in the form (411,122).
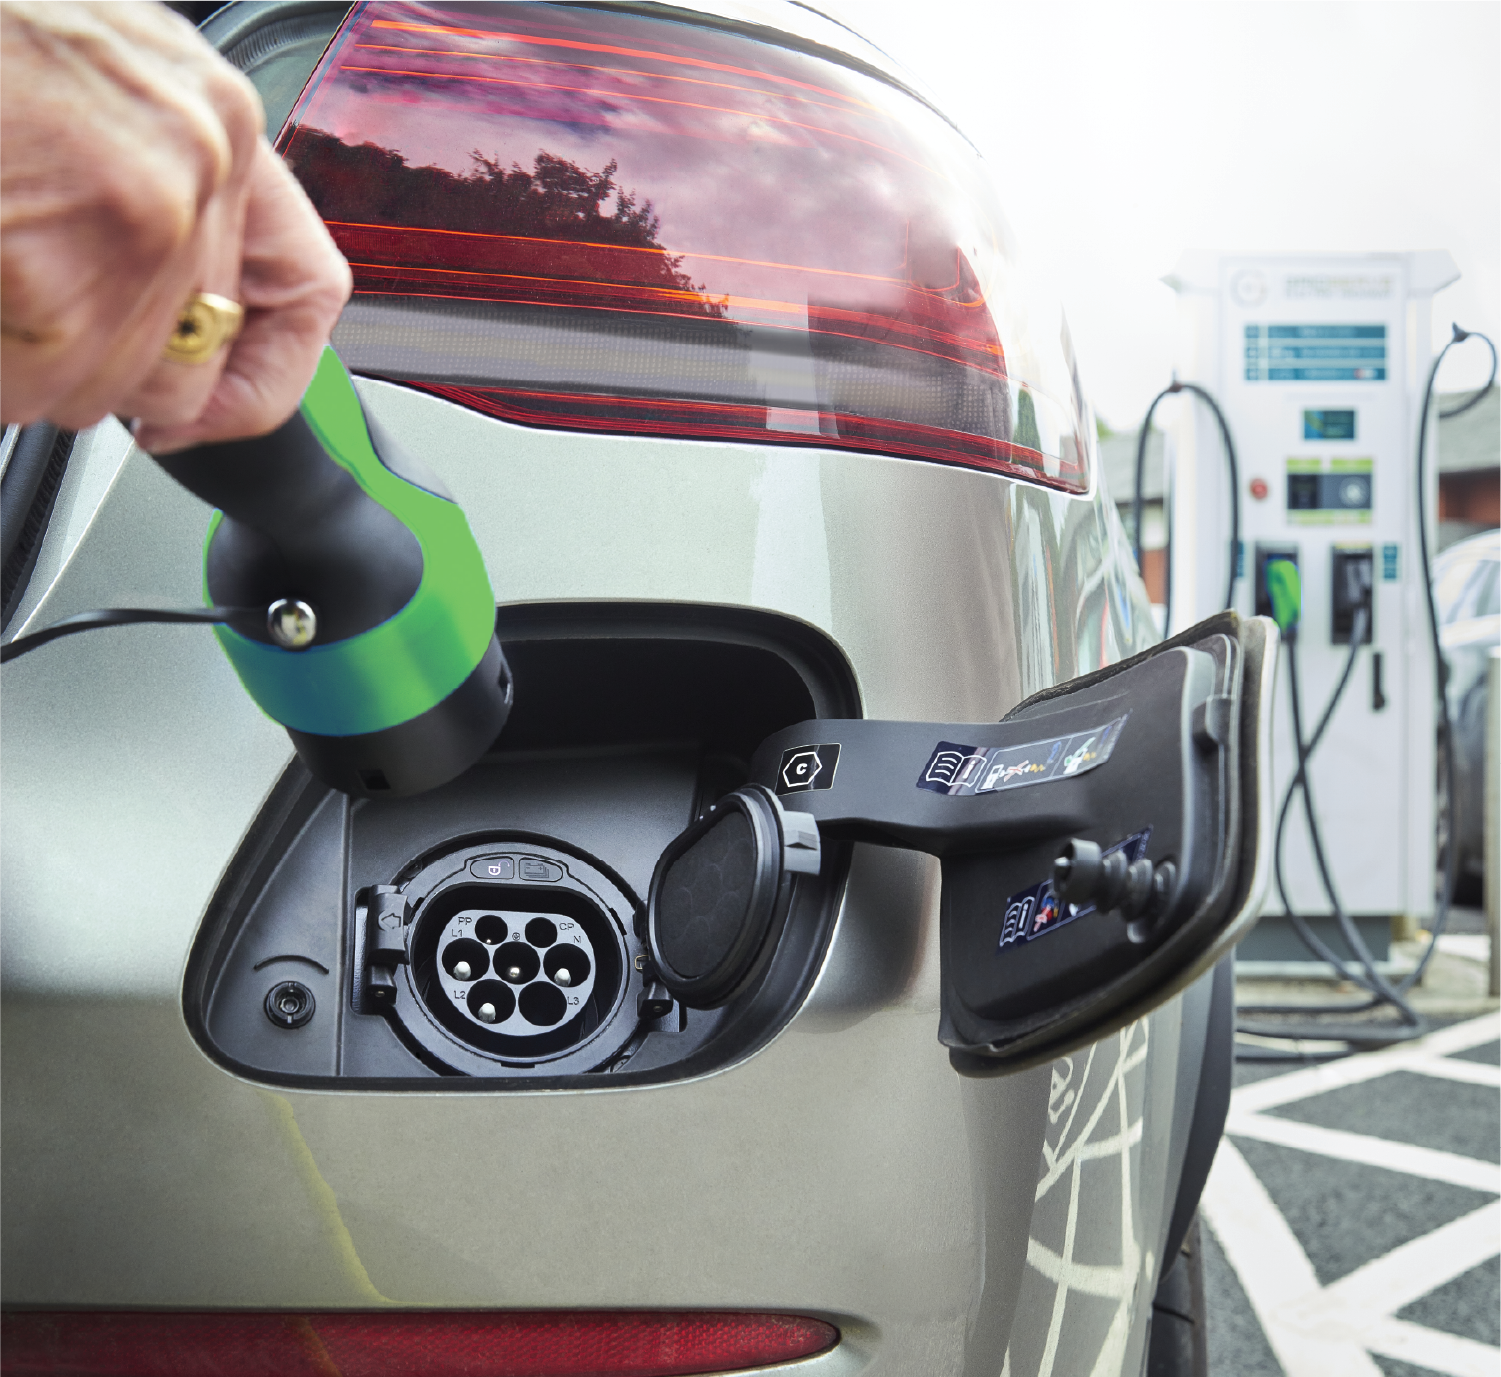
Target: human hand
(135,173)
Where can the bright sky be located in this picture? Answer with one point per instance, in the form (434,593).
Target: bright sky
(1125,132)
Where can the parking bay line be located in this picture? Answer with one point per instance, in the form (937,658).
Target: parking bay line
(1358,1301)
(1429,1163)
(1331,1332)
(1411,1056)
(1448,1069)
(1431,1348)
(1274,1271)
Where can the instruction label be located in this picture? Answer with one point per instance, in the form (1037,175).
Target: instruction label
(958,770)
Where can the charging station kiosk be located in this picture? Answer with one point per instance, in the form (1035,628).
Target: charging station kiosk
(1319,362)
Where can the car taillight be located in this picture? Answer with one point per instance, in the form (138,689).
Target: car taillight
(582,218)
(537,1343)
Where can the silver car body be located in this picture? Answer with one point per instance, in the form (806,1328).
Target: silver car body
(843,1171)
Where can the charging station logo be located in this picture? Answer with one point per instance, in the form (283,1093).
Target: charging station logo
(807,767)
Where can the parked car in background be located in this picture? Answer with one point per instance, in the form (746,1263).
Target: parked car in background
(1467,594)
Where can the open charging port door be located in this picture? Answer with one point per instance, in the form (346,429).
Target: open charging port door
(1102,846)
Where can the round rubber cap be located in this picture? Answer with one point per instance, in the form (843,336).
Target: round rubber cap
(713,898)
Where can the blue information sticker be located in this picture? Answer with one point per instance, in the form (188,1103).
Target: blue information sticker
(959,770)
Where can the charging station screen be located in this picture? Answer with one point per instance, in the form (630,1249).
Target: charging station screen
(583,217)
(1328,425)
(1315,353)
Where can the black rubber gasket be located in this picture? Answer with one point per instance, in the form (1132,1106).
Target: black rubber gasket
(28,493)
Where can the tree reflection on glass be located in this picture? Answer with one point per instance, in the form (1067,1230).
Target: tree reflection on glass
(584,217)
(364,187)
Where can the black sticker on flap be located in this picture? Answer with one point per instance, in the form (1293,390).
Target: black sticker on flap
(807,767)
(959,770)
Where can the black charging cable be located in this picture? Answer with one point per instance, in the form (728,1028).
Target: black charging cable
(125,616)
(1363,971)
(1440,664)
(1136,503)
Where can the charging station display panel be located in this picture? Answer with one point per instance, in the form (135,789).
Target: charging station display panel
(1315,353)
(1329,491)
(589,218)
(1334,423)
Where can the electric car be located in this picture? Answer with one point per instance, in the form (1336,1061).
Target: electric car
(787,486)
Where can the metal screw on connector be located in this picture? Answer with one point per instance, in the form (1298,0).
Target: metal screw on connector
(461,970)
(291,623)
(290,1004)
(513,973)
(485,1013)
(563,977)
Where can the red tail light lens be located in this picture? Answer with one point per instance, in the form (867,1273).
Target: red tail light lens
(572,217)
(536,1343)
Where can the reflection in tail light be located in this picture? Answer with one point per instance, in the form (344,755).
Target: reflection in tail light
(538,1343)
(575,218)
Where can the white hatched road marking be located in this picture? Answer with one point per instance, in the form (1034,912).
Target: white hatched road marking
(1274,1271)
(1371,1152)
(1331,1331)
(1431,1348)
(1417,1056)
(1384,1285)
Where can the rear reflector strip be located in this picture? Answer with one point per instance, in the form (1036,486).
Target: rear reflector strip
(522,1343)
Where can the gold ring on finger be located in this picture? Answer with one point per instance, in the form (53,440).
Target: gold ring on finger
(204,326)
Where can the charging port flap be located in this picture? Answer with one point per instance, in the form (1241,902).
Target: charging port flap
(1102,846)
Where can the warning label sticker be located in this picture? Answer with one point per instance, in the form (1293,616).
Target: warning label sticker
(958,770)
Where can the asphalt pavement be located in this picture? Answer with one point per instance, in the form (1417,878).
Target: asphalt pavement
(1353,1213)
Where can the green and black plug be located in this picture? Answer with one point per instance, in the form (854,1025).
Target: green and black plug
(349,594)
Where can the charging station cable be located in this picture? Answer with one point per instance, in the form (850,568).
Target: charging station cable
(124,616)
(1363,971)
(1440,664)
(1136,504)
